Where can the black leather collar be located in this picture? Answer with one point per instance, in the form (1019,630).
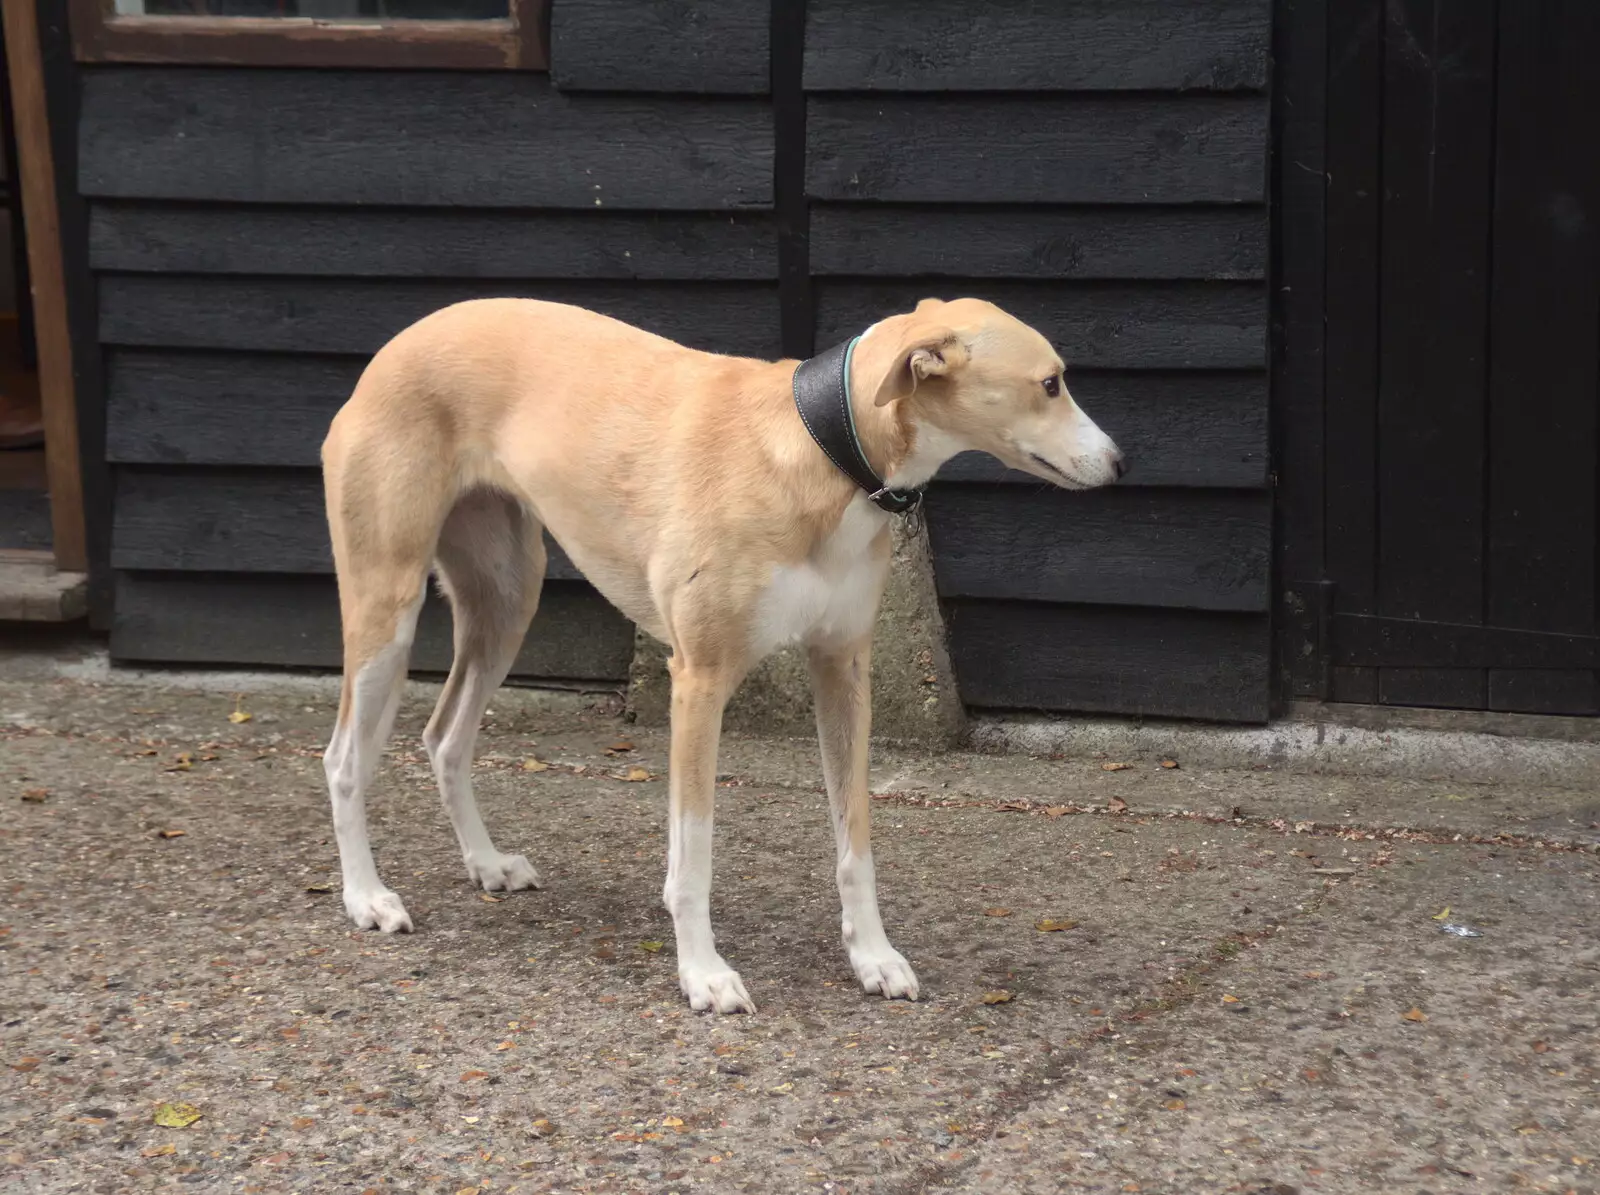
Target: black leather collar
(822,396)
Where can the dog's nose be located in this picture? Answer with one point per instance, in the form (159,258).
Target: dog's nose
(1118,464)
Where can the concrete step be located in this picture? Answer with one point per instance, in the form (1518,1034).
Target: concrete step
(32,589)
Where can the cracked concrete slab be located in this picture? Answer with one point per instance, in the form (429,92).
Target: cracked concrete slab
(1245,944)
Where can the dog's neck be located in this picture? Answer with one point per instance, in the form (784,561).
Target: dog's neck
(903,450)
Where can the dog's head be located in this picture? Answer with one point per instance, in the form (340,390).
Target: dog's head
(970,374)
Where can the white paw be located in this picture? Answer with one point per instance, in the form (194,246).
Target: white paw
(377,908)
(885,970)
(502,873)
(717,987)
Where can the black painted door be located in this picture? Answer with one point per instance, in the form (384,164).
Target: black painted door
(1463,305)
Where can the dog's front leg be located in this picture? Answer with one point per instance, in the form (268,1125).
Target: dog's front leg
(698,697)
(841,682)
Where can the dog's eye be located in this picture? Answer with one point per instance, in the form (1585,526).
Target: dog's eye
(1052,387)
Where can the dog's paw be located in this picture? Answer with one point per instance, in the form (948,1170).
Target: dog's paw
(495,872)
(716,988)
(885,971)
(377,908)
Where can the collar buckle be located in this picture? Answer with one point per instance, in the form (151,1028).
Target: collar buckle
(896,502)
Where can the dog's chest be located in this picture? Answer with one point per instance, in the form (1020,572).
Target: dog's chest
(831,597)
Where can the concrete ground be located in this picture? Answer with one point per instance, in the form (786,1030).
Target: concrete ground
(1256,993)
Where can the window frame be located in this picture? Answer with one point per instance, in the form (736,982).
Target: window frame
(517,42)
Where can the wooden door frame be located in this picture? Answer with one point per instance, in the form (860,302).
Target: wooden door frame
(41,212)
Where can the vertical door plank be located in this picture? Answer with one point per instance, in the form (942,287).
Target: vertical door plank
(1438,172)
(1543,359)
(1354,206)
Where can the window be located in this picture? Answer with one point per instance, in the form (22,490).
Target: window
(468,34)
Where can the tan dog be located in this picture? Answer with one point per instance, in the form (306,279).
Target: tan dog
(687,489)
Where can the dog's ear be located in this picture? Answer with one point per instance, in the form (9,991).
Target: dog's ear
(926,350)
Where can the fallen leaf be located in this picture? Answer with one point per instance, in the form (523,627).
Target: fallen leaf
(671,1122)
(1176,1105)
(1230,999)
(171,833)
(1442,913)
(1057,810)
(650,945)
(1050,925)
(1187,1072)
(507,1045)
(239,715)
(488,899)
(473,1076)
(1311,1076)
(1540,1047)
(35,796)
(637,774)
(24,1065)
(535,765)
(320,889)
(177,1116)
(1416,1014)
(1115,767)
(1012,807)
(998,996)
(1117,805)
(159,1151)
(1169,763)
(183,762)
(620,745)
(997,911)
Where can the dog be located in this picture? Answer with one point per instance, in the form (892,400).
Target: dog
(699,495)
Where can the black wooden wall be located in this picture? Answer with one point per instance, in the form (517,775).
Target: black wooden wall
(256,234)
(1099,168)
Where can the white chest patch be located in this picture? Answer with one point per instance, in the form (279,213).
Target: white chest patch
(830,598)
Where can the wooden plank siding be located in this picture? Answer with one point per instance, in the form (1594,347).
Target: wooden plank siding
(1037,45)
(315,315)
(257,234)
(285,620)
(415,139)
(315,242)
(695,46)
(1078,148)
(1100,170)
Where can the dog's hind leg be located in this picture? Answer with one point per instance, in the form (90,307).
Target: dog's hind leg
(491,561)
(373,680)
(384,511)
